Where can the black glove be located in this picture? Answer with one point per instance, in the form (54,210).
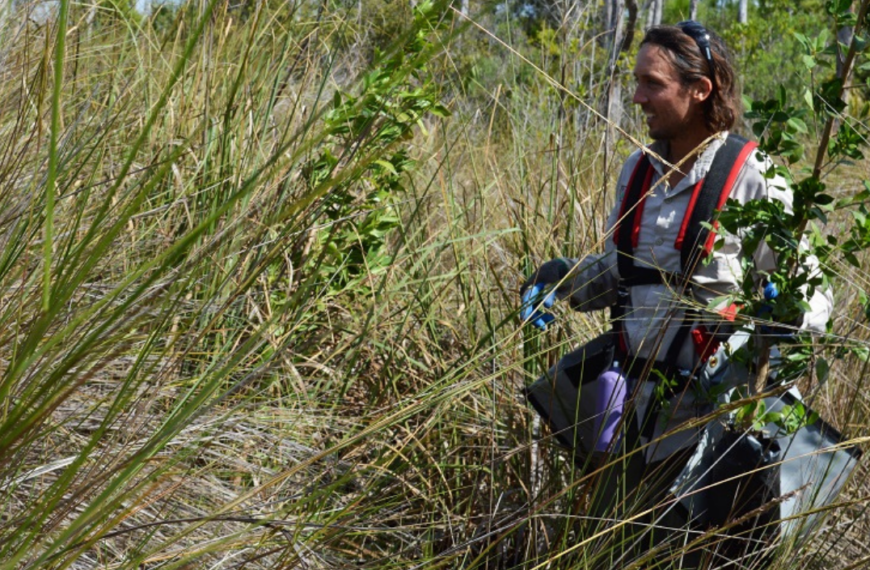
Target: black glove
(538,290)
(549,273)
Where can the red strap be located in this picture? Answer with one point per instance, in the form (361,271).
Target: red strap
(726,191)
(687,217)
(704,342)
(723,197)
(622,342)
(729,313)
(638,215)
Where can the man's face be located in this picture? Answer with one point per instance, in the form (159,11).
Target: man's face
(671,108)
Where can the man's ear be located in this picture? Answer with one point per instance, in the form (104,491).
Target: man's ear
(702,89)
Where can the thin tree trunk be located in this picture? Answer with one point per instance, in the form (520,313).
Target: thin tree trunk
(693,9)
(743,13)
(656,12)
(614,109)
(616,25)
(628,36)
(653,10)
(606,38)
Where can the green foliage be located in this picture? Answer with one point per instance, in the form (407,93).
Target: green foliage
(362,164)
(754,416)
(111,11)
(779,127)
(782,125)
(766,49)
(162,17)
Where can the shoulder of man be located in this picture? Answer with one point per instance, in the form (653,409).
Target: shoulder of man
(759,179)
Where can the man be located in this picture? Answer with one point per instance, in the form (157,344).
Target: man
(686,89)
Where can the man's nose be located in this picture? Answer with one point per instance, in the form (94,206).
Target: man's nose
(638,98)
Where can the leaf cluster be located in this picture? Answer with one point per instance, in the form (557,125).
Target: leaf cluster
(785,126)
(365,158)
(755,416)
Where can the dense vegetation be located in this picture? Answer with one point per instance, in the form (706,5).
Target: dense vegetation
(259,274)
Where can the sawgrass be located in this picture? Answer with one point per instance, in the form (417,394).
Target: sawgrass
(187,383)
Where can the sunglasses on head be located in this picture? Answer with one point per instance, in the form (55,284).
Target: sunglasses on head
(702,37)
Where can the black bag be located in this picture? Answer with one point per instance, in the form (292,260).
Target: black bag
(564,397)
(733,473)
(746,484)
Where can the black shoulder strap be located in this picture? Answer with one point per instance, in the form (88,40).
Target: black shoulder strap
(628,228)
(729,160)
(630,214)
(694,240)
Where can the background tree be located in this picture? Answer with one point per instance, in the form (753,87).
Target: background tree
(654,9)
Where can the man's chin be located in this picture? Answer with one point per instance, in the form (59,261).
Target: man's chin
(658,135)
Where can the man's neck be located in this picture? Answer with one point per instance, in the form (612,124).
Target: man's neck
(683,152)
(687,146)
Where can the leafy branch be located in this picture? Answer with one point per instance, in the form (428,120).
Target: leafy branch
(362,166)
(781,126)
(755,416)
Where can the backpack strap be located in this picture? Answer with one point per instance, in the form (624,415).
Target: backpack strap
(694,240)
(630,216)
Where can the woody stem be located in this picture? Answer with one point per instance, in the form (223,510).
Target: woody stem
(764,343)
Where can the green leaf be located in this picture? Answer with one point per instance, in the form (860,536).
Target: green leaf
(758,129)
(824,199)
(440,110)
(823,369)
(822,39)
(797,125)
(387,166)
(804,41)
(771,418)
(808,99)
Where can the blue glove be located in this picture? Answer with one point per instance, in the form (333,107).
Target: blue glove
(533,290)
(765,312)
(770,291)
(531,302)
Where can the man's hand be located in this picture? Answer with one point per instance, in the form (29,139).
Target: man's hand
(532,300)
(771,328)
(539,290)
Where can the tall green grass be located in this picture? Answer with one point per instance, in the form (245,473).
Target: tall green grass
(193,376)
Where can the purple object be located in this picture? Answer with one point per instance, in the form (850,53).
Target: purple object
(609,403)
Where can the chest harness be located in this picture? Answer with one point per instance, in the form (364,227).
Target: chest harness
(694,241)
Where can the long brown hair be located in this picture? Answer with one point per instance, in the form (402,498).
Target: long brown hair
(723,106)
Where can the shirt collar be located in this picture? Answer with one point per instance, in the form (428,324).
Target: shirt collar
(701,167)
